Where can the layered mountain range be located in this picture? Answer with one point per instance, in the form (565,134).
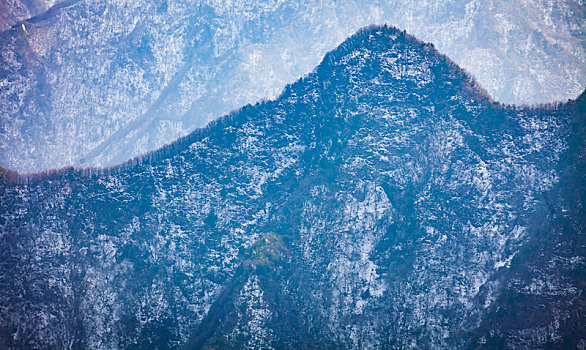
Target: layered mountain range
(96,83)
(382,201)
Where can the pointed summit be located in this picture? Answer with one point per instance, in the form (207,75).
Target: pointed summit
(395,60)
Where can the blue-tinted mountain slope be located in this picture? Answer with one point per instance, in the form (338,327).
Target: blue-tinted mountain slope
(383,201)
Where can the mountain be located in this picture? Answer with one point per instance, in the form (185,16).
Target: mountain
(382,201)
(86,83)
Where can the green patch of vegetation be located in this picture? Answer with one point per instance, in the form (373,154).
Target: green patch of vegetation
(268,251)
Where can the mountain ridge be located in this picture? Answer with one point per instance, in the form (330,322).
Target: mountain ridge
(471,84)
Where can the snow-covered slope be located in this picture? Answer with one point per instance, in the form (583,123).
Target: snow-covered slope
(98,82)
(383,201)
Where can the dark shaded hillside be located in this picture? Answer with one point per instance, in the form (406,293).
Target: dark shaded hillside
(542,302)
(383,201)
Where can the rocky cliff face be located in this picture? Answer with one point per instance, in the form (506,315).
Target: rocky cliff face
(89,83)
(383,201)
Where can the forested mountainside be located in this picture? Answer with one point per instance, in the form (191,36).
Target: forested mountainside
(383,201)
(96,83)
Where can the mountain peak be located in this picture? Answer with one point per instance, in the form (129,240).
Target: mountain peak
(390,57)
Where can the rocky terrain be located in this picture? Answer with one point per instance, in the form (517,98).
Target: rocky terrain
(95,83)
(382,201)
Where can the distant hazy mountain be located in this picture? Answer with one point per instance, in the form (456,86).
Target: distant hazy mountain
(14,11)
(98,82)
(383,201)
